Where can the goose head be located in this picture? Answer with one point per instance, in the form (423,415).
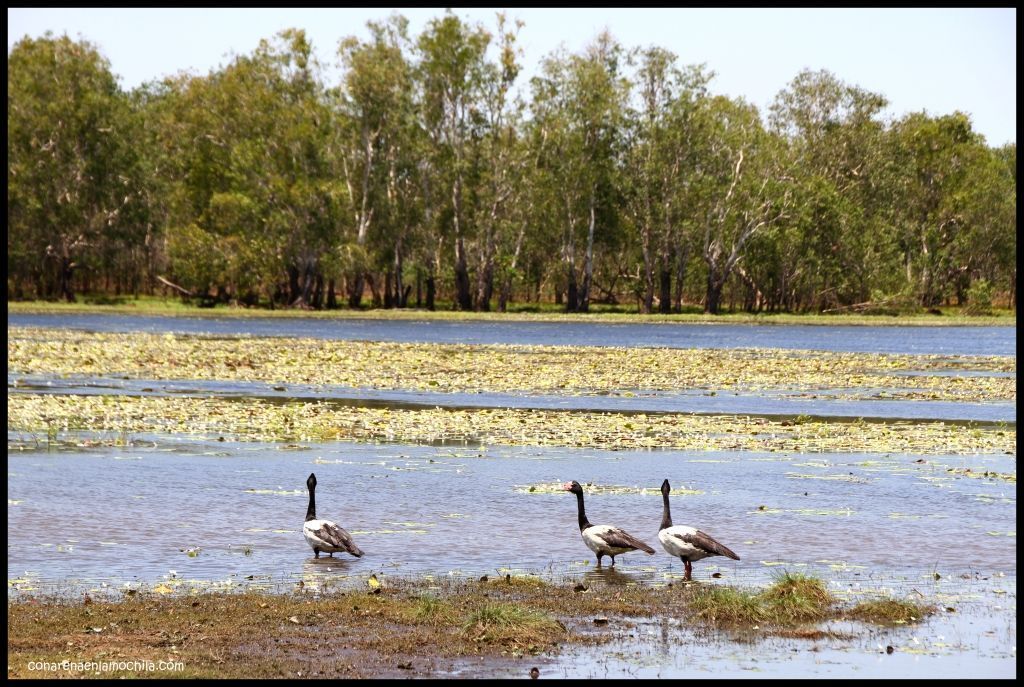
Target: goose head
(665,488)
(573,486)
(311,482)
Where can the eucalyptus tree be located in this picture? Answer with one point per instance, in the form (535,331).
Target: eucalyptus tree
(984,247)
(838,243)
(743,185)
(452,68)
(501,161)
(935,158)
(547,197)
(378,109)
(187,137)
(661,159)
(998,220)
(304,196)
(72,175)
(580,102)
(250,153)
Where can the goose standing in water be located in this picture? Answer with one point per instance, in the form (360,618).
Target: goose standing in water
(687,543)
(604,540)
(324,535)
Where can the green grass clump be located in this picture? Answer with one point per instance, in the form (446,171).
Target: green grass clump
(509,624)
(889,611)
(430,609)
(727,606)
(795,598)
(791,599)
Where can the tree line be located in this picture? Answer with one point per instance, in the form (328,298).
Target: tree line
(430,174)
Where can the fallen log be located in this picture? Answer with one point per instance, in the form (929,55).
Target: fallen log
(176,287)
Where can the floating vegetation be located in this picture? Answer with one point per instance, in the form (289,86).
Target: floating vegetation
(834,478)
(983,474)
(504,368)
(278,492)
(841,512)
(765,510)
(261,420)
(591,488)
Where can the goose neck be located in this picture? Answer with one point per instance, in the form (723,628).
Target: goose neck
(584,523)
(311,511)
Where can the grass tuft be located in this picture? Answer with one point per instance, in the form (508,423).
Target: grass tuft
(726,606)
(795,598)
(885,611)
(432,610)
(790,600)
(508,624)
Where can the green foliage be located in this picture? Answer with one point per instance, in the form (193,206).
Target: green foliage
(73,184)
(979,298)
(615,180)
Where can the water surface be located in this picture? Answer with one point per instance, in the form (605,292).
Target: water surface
(866,339)
(823,403)
(132,514)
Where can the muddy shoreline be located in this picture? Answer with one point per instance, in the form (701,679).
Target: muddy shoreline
(408,628)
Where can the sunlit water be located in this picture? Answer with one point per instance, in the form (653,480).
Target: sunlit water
(973,635)
(176,513)
(919,339)
(133,514)
(820,403)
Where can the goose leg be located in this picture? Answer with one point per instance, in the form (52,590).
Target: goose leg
(317,552)
(331,554)
(599,559)
(689,570)
(613,560)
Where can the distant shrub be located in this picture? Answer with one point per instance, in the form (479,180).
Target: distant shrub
(979,298)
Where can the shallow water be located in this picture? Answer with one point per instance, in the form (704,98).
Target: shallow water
(173,513)
(921,339)
(821,403)
(975,639)
(111,516)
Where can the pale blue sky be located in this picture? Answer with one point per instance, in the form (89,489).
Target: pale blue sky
(939,60)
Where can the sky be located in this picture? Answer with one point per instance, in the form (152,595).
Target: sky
(935,59)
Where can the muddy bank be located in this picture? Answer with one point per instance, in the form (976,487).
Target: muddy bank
(491,626)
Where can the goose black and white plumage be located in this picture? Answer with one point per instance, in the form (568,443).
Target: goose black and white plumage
(687,543)
(324,535)
(604,540)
